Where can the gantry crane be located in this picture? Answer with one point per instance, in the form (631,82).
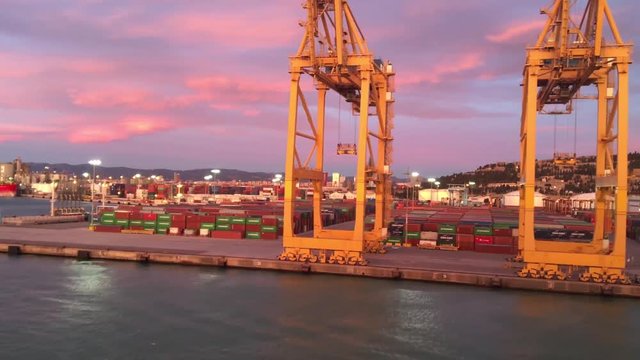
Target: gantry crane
(566,58)
(335,56)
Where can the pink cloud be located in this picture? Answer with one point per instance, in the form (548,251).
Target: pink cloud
(19,132)
(516,30)
(125,128)
(118,98)
(16,65)
(240,29)
(438,73)
(227,93)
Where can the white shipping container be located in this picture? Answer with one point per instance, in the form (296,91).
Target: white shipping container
(428,235)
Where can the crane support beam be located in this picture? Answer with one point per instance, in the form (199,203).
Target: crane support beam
(567,57)
(335,56)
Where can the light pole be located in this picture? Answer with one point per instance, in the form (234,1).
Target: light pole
(215,173)
(414,177)
(208,178)
(94,163)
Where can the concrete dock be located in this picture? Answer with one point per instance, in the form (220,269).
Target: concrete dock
(468,268)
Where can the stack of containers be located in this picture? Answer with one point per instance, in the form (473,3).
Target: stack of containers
(207,224)
(178,223)
(269,228)
(108,218)
(164,223)
(150,221)
(396,233)
(223,223)
(239,224)
(192,224)
(107,223)
(413,234)
(122,219)
(446,235)
(136,221)
(254,227)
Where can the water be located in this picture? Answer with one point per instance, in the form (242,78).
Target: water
(23,206)
(63,309)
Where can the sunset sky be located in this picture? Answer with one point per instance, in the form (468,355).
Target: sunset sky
(204,83)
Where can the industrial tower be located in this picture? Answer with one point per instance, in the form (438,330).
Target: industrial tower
(569,56)
(335,56)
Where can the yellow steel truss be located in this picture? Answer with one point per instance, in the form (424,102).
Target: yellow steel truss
(566,57)
(334,53)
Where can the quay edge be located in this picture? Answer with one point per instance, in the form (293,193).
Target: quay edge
(380,272)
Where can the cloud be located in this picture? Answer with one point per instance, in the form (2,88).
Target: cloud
(437,73)
(516,30)
(122,129)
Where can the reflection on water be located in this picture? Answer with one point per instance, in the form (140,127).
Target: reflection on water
(114,310)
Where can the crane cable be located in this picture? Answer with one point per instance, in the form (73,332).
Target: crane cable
(575,130)
(555,132)
(339,120)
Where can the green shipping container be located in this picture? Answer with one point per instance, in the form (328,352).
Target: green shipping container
(223,226)
(150,223)
(122,222)
(223,220)
(164,223)
(253,235)
(254,221)
(413,235)
(238,220)
(483,230)
(164,217)
(111,215)
(446,229)
(107,221)
(136,222)
(271,228)
(210,226)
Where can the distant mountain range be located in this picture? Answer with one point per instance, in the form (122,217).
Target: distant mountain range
(116,172)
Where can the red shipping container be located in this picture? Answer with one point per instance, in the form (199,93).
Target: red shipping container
(466,242)
(502,232)
(254,228)
(207,218)
(136,216)
(413,227)
(487,240)
(496,249)
(503,240)
(464,229)
(269,221)
(269,236)
(430,227)
(239,227)
(194,225)
(223,234)
(149,217)
(178,220)
(136,227)
(107,228)
(123,215)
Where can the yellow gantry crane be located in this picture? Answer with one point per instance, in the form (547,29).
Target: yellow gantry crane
(335,57)
(569,56)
